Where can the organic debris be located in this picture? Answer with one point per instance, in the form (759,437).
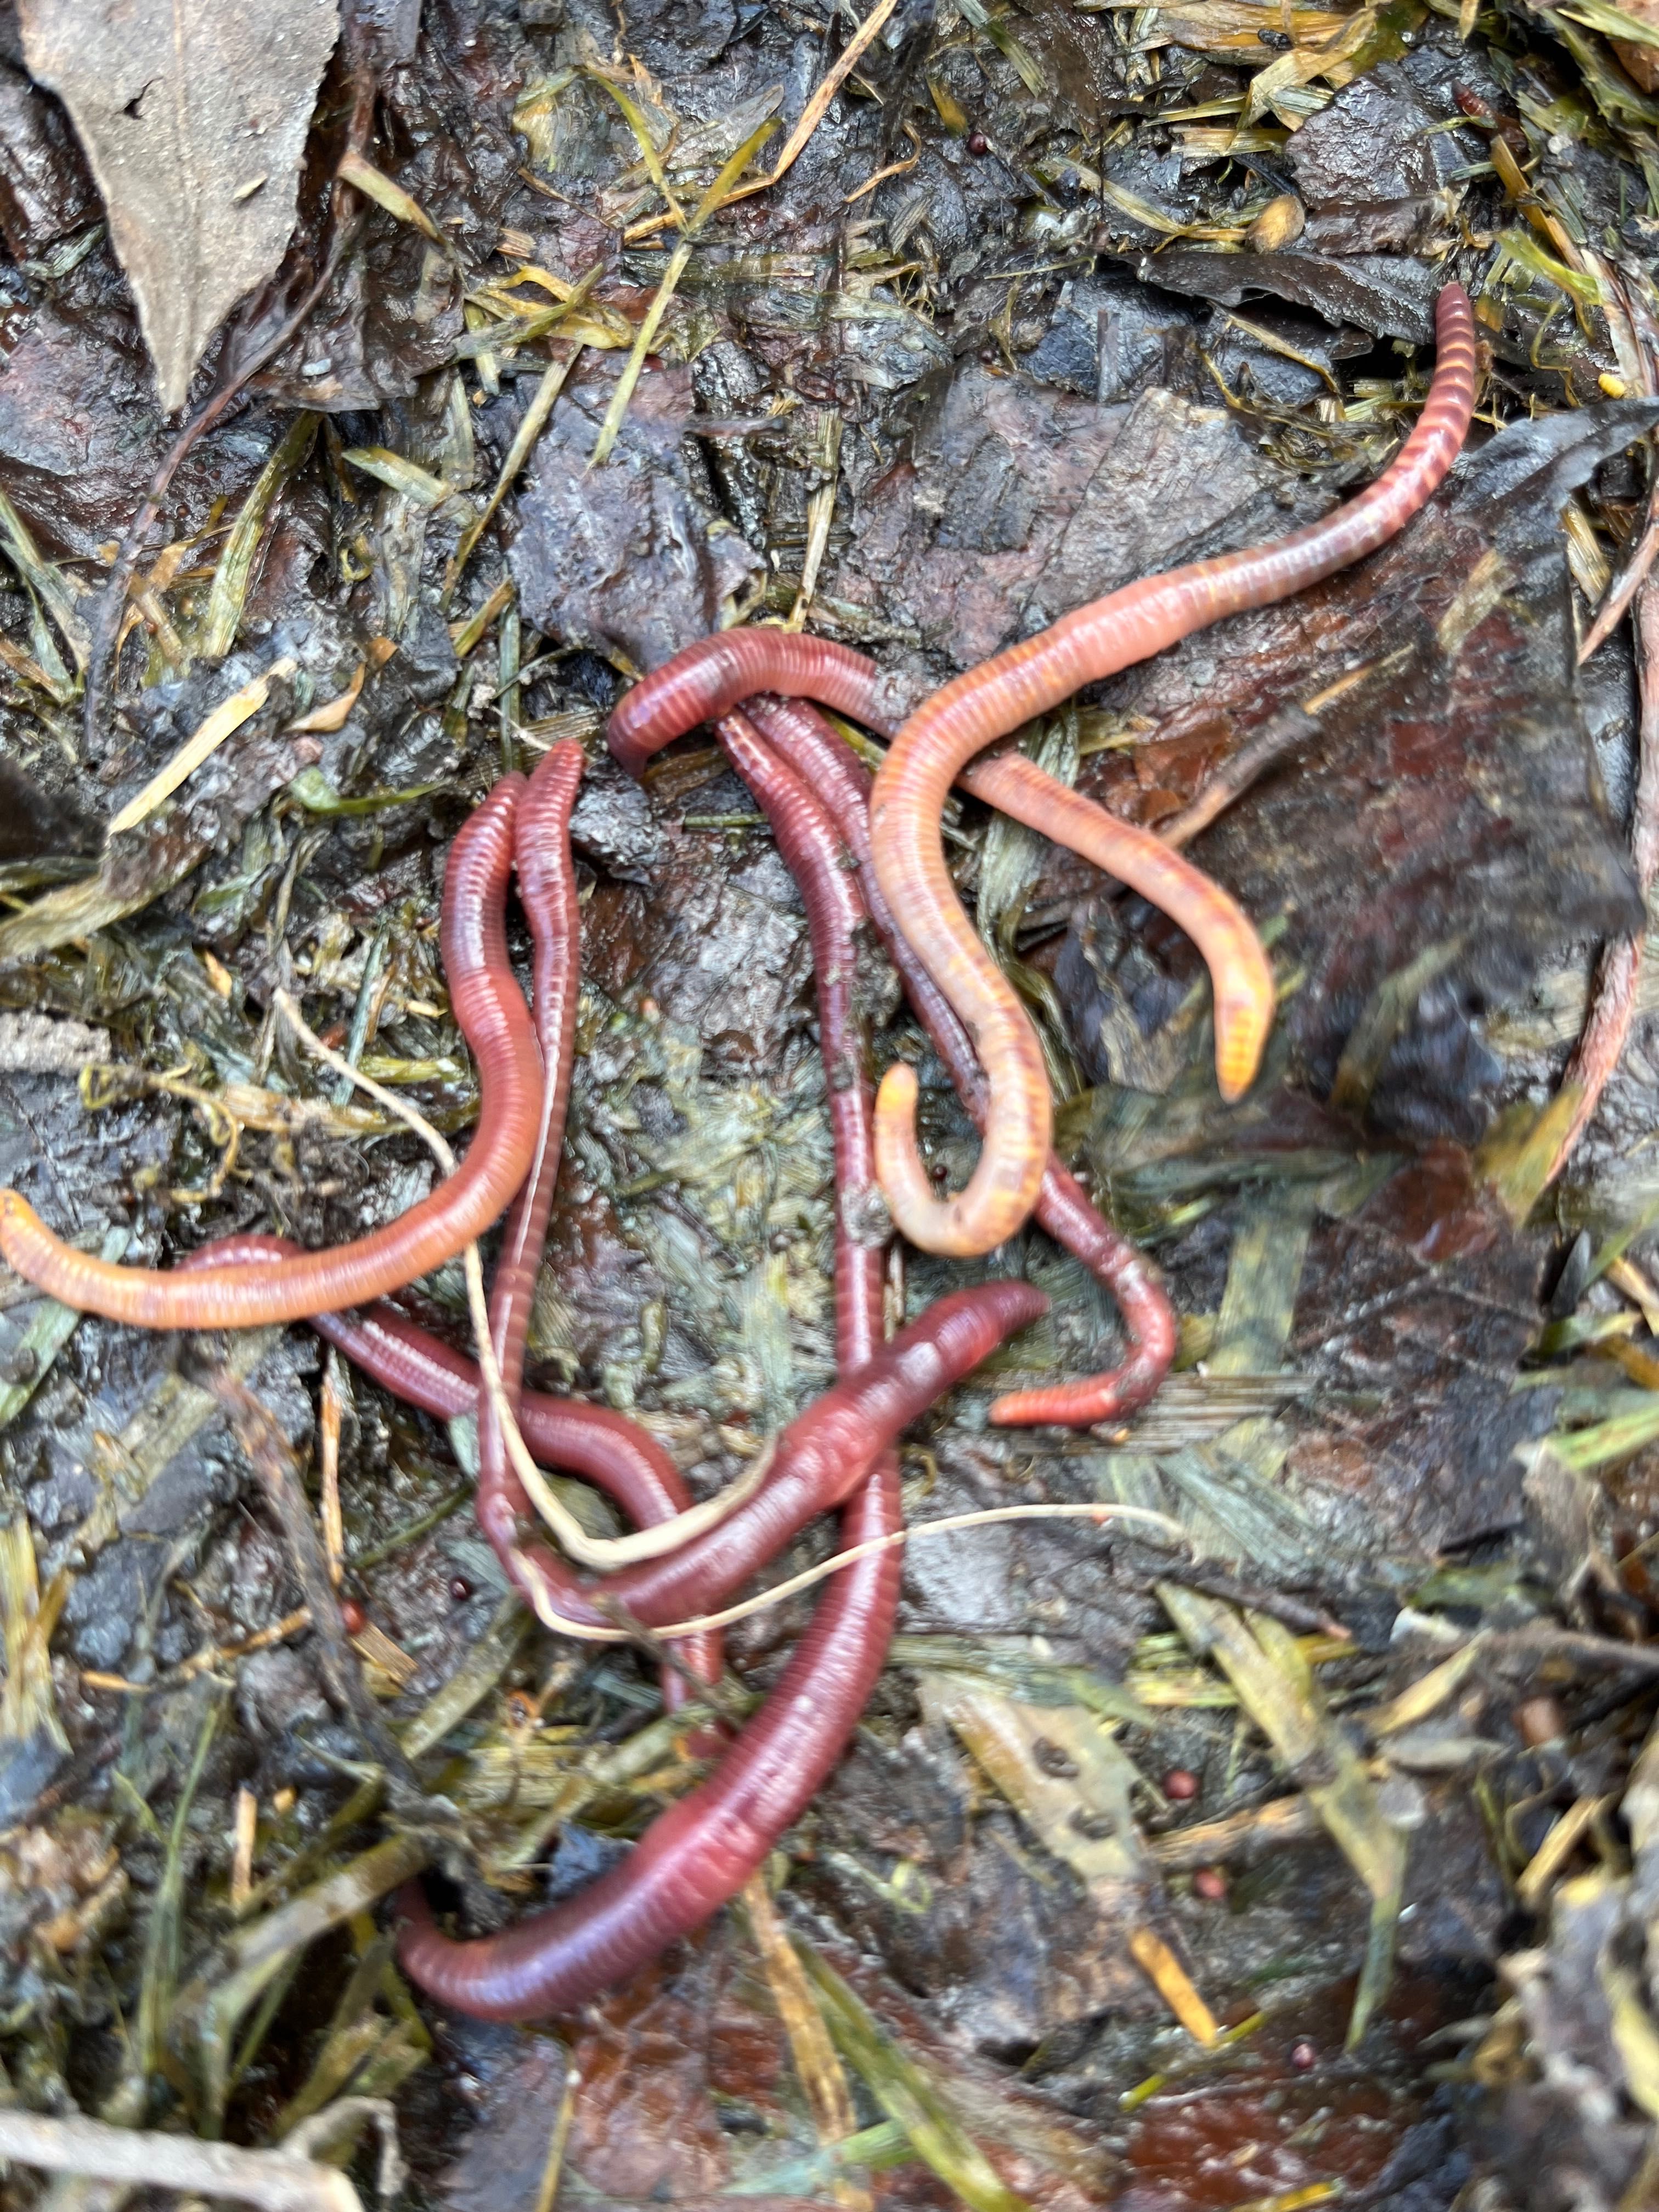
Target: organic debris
(1289,1843)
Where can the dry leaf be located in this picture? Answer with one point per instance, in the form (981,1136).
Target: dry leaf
(194,120)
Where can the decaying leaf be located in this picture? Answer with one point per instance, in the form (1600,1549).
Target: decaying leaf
(194,121)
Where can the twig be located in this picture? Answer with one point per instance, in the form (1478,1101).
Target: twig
(1282,735)
(547,2194)
(227,718)
(268,1453)
(811,116)
(276,2180)
(818,2068)
(1619,597)
(1306,1620)
(1575,1643)
(535,416)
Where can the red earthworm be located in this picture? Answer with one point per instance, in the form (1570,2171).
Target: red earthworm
(547,892)
(701,683)
(833,771)
(819,1460)
(495,1023)
(603,1448)
(701,1851)
(810,843)
(937,741)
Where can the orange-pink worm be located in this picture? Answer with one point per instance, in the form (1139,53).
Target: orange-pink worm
(938,740)
(707,679)
(717,674)
(830,769)
(495,1023)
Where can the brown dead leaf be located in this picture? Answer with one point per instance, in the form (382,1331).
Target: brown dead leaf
(194,120)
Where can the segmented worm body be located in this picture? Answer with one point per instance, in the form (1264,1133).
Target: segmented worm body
(820,1458)
(673,696)
(809,841)
(701,1850)
(1241,977)
(495,1023)
(720,672)
(830,767)
(602,1447)
(937,741)
(547,892)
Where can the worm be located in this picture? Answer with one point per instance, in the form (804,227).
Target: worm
(812,846)
(706,676)
(833,771)
(547,892)
(495,1023)
(700,1852)
(716,673)
(1029,678)
(546,875)
(602,1447)
(1241,977)
(819,1460)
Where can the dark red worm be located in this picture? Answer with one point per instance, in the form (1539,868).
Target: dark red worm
(591,1441)
(701,1850)
(830,769)
(495,1023)
(1029,678)
(603,1448)
(820,1458)
(810,844)
(547,892)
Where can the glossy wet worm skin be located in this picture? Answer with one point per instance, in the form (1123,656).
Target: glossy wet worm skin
(493,1018)
(1241,975)
(823,1456)
(701,1850)
(546,873)
(719,672)
(710,677)
(666,704)
(937,741)
(840,780)
(603,1448)
(807,837)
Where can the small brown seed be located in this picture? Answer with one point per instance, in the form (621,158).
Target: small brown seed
(1540,1720)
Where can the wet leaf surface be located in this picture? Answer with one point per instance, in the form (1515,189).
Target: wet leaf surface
(194,128)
